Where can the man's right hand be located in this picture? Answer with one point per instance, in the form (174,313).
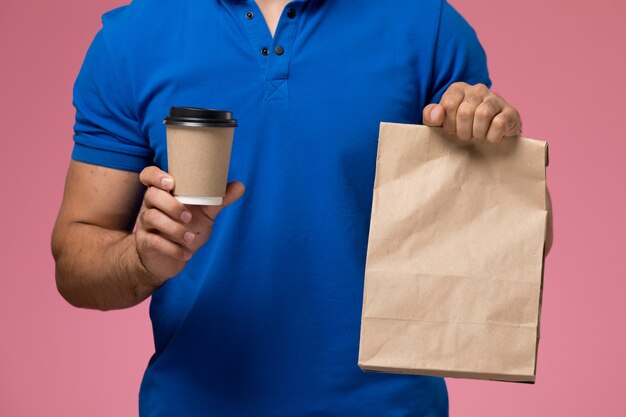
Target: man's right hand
(99,262)
(169,232)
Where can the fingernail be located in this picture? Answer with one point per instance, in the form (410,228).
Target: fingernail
(167,182)
(185,216)
(189,237)
(187,255)
(435,113)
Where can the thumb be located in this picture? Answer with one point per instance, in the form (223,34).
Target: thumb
(434,115)
(234,191)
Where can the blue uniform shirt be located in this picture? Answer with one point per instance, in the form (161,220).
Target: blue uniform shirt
(265,319)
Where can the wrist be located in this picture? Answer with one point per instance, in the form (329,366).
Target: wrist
(146,282)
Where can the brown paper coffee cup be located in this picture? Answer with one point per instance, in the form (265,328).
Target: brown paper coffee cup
(199,143)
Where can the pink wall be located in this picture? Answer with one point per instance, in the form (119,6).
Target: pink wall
(562,63)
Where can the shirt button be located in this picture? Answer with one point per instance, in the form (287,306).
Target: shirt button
(279,50)
(249,15)
(291,13)
(265,51)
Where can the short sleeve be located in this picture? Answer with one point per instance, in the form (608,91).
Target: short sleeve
(459,55)
(106,131)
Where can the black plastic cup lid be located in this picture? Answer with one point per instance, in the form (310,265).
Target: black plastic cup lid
(198,117)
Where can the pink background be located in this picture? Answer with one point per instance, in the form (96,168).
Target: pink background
(562,63)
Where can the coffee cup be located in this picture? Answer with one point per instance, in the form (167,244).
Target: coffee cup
(199,143)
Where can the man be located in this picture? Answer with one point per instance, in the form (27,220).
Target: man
(257,312)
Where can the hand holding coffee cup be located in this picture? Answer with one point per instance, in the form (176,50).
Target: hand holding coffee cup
(169,232)
(179,208)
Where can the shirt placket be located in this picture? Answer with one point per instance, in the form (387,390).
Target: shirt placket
(273,54)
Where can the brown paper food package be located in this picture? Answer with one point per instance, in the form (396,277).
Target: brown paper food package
(454,267)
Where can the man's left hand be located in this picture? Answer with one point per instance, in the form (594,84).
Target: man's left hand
(473,111)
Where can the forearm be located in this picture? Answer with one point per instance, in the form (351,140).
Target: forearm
(100,268)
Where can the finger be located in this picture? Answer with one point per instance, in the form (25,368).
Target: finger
(450,101)
(465,116)
(486,111)
(168,204)
(234,191)
(152,176)
(153,220)
(502,124)
(152,242)
(514,124)
(433,115)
